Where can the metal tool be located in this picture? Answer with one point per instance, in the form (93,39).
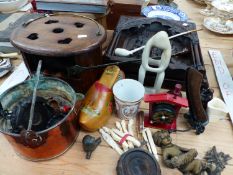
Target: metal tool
(37,78)
(31,137)
(77,69)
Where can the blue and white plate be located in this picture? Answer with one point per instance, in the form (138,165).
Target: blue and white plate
(164,12)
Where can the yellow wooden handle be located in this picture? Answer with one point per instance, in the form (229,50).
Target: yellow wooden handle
(10,55)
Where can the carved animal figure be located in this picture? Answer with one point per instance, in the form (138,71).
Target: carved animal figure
(182,158)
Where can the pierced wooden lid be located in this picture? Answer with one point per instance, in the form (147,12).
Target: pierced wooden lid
(59,35)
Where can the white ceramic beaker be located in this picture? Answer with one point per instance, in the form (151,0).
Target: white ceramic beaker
(128,94)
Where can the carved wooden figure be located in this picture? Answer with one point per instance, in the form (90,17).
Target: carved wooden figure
(161,41)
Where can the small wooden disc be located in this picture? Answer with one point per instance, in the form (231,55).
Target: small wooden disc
(137,162)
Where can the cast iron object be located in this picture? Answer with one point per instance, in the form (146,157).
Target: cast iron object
(90,144)
(62,41)
(220,159)
(53,140)
(198,97)
(133,32)
(137,162)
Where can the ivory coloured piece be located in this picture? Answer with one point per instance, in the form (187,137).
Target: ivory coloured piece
(123,125)
(110,141)
(151,142)
(147,142)
(129,138)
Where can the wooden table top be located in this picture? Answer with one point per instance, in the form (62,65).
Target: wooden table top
(104,159)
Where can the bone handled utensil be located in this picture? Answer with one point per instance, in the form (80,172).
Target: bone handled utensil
(151,142)
(130,127)
(125,146)
(128,138)
(119,127)
(130,144)
(124,52)
(111,142)
(124,128)
(146,140)
(123,124)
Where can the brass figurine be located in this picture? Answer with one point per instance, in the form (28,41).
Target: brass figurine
(182,158)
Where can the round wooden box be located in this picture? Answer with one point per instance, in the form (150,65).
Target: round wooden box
(62,41)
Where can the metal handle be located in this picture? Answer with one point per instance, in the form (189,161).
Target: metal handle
(77,69)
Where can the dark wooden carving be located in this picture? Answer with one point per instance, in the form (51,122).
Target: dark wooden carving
(133,32)
(198,97)
(137,162)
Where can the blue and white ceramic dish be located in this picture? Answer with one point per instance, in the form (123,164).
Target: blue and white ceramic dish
(164,12)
